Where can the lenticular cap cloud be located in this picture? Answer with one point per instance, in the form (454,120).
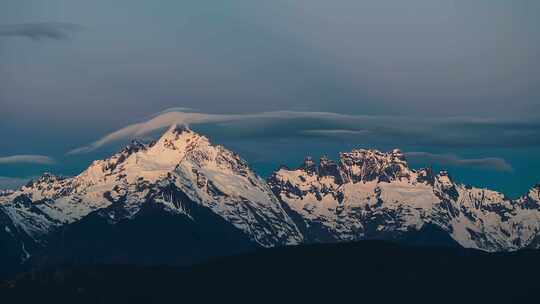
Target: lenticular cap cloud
(168,118)
(427,131)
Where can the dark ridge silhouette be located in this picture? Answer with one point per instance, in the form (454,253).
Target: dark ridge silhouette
(362,272)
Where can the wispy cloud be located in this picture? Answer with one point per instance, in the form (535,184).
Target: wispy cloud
(12,182)
(491,163)
(167,118)
(28,159)
(41,30)
(395,130)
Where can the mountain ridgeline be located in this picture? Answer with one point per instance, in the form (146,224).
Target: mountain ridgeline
(352,272)
(181,200)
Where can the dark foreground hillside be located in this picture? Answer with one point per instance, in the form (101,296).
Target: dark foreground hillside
(363,272)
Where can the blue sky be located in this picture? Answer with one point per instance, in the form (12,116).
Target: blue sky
(459,78)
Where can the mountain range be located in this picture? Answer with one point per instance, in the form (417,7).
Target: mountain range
(182,199)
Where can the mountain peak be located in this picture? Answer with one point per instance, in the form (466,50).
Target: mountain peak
(534,192)
(395,156)
(44,178)
(179,133)
(359,165)
(368,165)
(179,137)
(309,165)
(179,129)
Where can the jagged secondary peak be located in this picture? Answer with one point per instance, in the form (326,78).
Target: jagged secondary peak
(360,165)
(6,192)
(44,187)
(46,178)
(534,193)
(426,175)
(133,147)
(114,161)
(368,165)
(396,156)
(328,167)
(99,169)
(531,200)
(310,166)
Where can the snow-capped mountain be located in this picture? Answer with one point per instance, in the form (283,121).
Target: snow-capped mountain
(180,171)
(368,194)
(181,199)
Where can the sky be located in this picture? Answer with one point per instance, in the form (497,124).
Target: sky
(454,84)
